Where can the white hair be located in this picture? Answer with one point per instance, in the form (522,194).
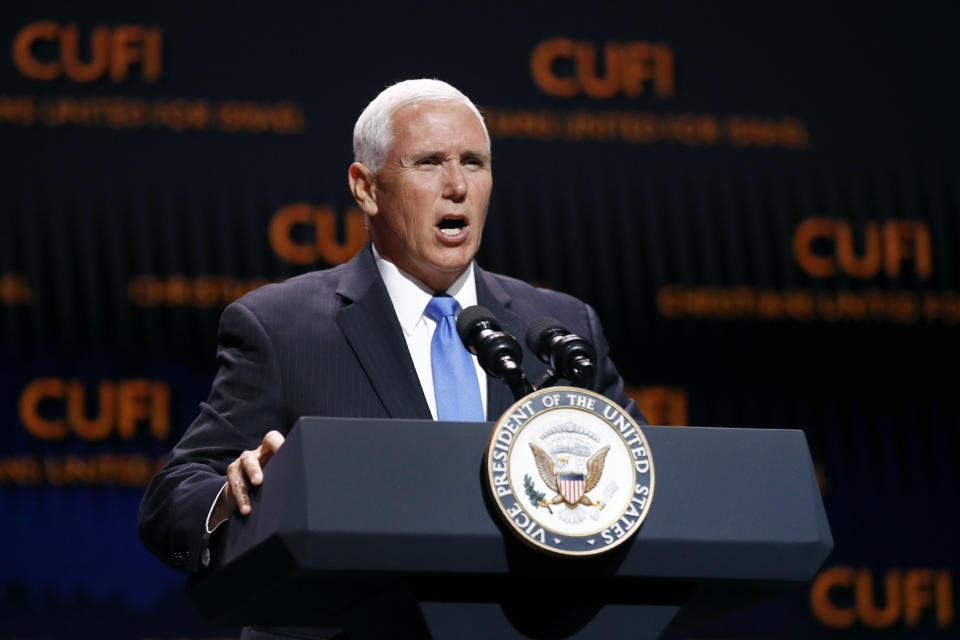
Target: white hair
(373,132)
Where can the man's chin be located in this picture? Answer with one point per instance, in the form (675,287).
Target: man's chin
(457,266)
(445,271)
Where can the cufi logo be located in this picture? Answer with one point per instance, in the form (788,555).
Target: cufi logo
(824,247)
(303,233)
(46,51)
(52,408)
(564,68)
(843,596)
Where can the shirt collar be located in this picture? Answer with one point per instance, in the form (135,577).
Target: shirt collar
(410,296)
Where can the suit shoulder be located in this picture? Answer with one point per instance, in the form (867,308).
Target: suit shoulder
(520,289)
(293,291)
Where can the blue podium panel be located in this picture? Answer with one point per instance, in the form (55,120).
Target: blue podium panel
(351,508)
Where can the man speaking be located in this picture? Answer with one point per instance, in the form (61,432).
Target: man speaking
(370,338)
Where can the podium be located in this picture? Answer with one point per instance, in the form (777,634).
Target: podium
(383,527)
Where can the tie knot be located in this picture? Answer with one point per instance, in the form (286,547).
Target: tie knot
(442,306)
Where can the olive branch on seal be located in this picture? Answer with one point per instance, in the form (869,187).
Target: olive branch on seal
(536,497)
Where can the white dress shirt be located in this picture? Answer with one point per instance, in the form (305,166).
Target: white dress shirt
(410,298)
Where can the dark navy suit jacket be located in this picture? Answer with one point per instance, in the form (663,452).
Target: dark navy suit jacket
(327,343)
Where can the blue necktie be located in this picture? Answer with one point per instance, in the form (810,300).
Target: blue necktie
(454,376)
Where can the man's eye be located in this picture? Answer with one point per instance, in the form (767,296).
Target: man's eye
(427,161)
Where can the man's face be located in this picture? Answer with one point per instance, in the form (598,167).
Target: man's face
(432,193)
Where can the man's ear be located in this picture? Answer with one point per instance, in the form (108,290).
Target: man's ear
(363,186)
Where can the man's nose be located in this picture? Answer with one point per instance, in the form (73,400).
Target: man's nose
(455,184)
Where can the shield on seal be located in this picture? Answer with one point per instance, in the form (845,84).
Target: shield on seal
(571,486)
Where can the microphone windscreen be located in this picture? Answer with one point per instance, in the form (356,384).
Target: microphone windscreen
(536,330)
(468,318)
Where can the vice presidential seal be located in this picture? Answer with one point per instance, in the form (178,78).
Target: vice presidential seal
(570,471)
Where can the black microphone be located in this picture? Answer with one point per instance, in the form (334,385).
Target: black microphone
(498,352)
(569,355)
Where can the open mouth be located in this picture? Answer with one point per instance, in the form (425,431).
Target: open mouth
(452,226)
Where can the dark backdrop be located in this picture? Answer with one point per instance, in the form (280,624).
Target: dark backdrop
(760,199)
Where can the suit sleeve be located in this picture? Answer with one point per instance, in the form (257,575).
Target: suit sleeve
(244,403)
(609,383)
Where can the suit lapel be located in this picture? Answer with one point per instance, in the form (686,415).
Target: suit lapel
(492,296)
(370,325)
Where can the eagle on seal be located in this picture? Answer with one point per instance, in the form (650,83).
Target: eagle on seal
(570,485)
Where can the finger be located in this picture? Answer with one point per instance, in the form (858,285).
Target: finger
(270,445)
(250,461)
(229,500)
(238,486)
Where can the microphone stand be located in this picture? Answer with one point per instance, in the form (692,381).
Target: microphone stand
(513,375)
(548,379)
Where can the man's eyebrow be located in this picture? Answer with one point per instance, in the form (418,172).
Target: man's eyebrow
(416,156)
(476,155)
(469,154)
